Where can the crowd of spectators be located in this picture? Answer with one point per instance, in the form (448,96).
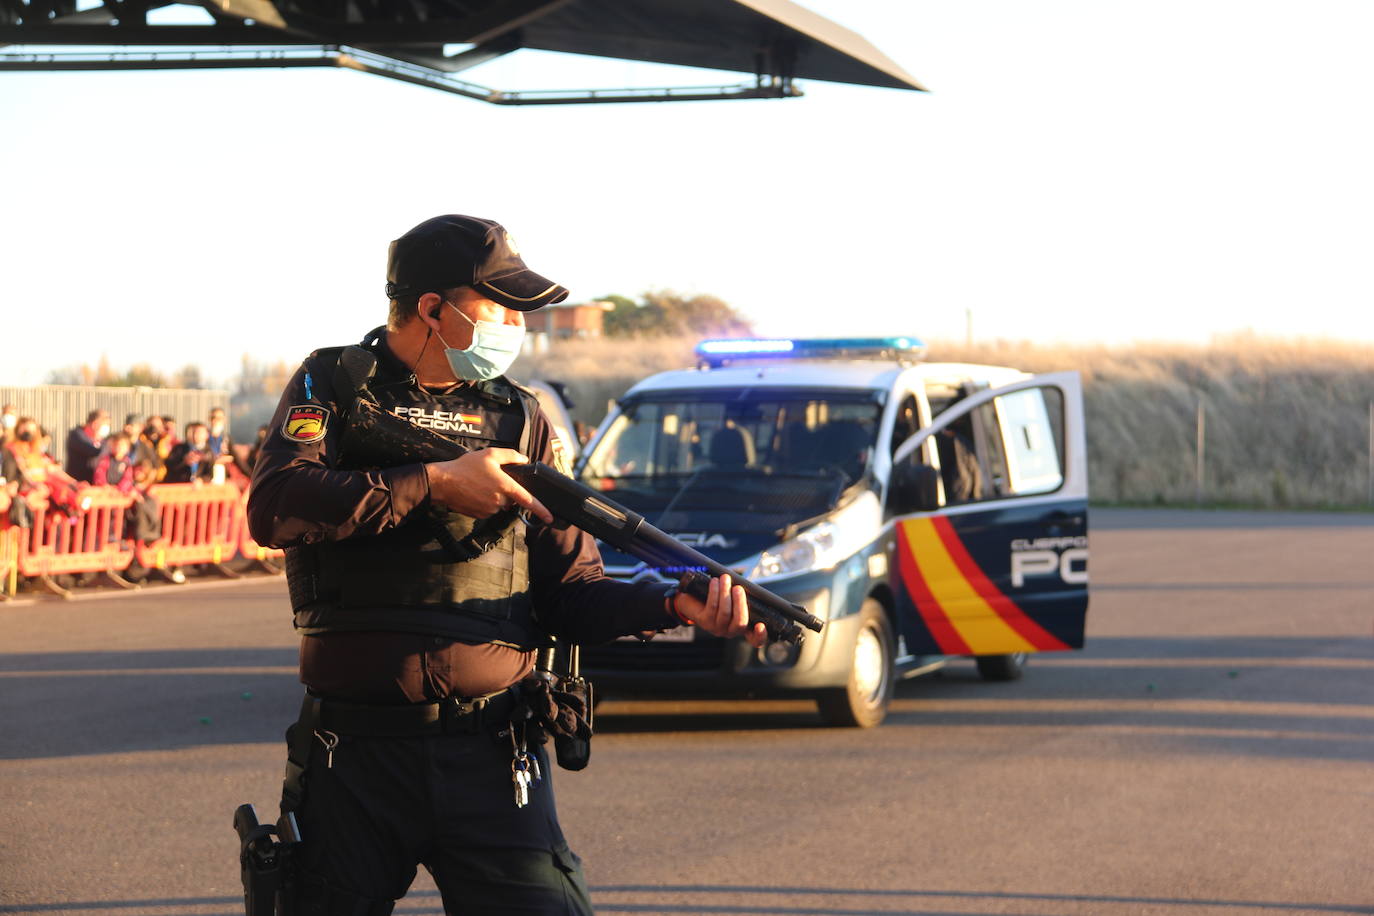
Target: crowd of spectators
(131,460)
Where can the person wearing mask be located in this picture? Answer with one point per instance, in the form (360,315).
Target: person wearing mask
(169,436)
(221,446)
(434,642)
(9,419)
(9,470)
(219,432)
(41,482)
(148,447)
(84,444)
(191,460)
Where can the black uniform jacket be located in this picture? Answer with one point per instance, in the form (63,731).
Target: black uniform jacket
(298,496)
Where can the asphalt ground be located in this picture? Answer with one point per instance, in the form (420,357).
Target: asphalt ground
(1210,752)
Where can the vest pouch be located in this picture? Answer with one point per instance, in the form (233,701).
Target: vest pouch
(408,568)
(301,569)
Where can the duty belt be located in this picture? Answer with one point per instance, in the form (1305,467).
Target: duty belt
(449,716)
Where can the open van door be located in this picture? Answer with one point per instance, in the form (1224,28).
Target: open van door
(994,565)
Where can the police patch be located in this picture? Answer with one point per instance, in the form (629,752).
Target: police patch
(305,423)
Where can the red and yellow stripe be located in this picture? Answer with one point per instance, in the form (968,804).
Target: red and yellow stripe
(473,419)
(965,613)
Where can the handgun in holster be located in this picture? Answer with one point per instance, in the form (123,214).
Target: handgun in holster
(265,861)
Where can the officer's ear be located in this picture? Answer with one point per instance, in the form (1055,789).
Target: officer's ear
(428,308)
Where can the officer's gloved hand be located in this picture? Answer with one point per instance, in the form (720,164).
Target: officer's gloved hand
(560,706)
(474,484)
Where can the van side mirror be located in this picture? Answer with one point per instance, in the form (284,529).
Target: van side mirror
(915,488)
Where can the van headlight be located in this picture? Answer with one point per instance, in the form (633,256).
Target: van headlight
(809,550)
(825,544)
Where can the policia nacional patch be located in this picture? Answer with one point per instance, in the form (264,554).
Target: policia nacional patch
(305,423)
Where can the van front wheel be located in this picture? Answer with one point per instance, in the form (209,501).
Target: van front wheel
(862,702)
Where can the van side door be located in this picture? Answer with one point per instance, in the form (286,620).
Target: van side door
(999,564)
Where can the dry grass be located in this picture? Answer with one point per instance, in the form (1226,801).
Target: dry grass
(1287,421)
(599,371)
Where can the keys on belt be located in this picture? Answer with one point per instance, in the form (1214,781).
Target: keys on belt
(452,715)
(524,766)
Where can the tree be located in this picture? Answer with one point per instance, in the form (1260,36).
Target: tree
(140,375)
(188,377)
(619,321)
(104,375)
(668,313)
(260,378)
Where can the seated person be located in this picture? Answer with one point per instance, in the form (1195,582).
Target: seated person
(40,480)
(148,448)
(191,460)
(220,444)
(959,467)
(84,445)
(731,447)
(843,445)
(115,466)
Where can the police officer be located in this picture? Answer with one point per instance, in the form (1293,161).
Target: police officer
(422,591)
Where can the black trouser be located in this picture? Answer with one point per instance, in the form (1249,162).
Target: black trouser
(444,801)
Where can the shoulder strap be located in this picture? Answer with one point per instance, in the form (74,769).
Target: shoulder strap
(355,370)
(529,405)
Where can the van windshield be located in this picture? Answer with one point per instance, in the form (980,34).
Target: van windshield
(774,451)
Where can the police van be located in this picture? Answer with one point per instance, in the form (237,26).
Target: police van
(925,511)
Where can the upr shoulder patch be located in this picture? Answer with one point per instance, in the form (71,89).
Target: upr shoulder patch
(305,423)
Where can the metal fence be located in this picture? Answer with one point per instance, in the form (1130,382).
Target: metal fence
(58,408)
(1165,444)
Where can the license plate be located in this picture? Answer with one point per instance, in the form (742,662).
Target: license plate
(677,634)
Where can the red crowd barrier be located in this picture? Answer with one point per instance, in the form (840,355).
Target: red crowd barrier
(9,559)
(90,540)
(200,524)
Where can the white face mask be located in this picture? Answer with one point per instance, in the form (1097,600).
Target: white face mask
(494,347)
(9,420)
(102,431)
(216,428)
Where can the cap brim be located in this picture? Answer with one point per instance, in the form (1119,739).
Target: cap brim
(523,291)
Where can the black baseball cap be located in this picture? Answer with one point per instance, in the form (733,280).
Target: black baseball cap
(455,250)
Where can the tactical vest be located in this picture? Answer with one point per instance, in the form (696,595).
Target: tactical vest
(443,574)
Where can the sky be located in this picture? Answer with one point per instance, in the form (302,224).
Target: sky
(1080,172)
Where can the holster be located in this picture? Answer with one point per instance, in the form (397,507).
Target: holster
(265,851)
(574,751)
(265,862)
(561,705)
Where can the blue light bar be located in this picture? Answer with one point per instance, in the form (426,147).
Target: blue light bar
(719,352)
(739,347)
